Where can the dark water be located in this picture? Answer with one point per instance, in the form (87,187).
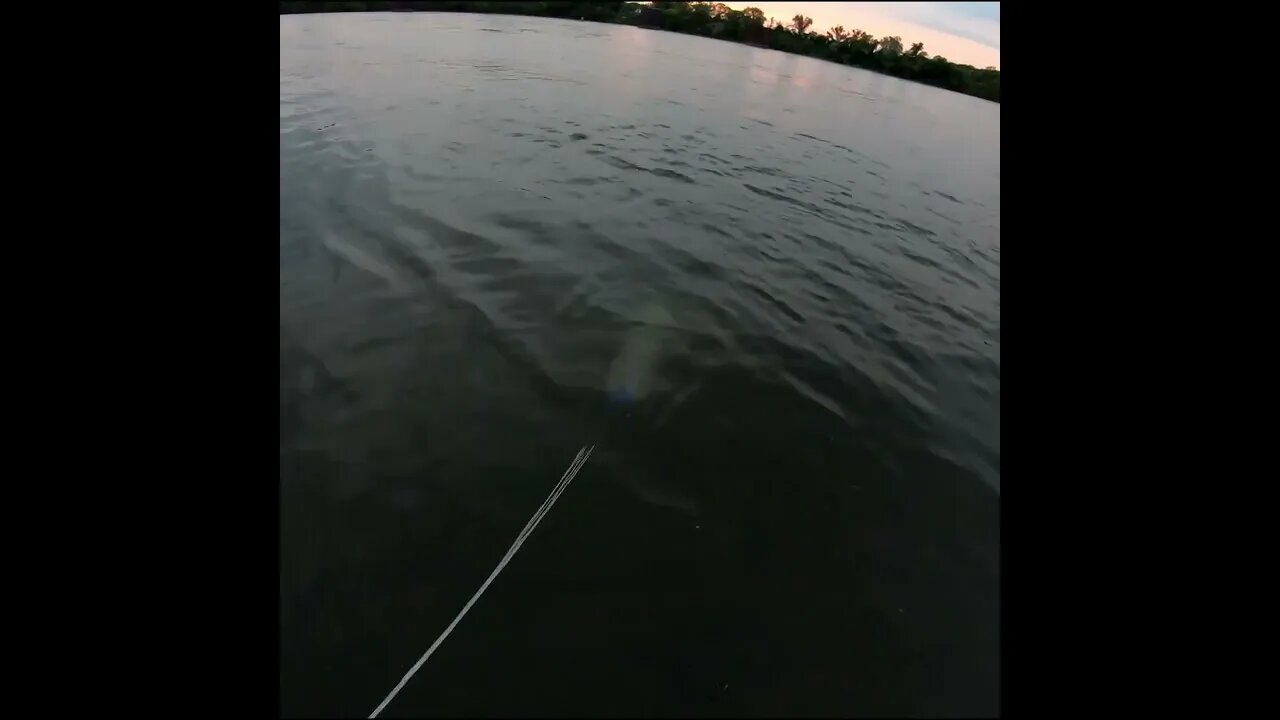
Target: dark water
(800,518)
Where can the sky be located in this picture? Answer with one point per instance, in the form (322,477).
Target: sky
(962,32)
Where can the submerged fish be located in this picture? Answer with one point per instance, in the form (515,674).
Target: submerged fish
(657,367)
(657,352)
(634,372)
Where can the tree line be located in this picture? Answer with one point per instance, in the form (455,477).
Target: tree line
(886,55)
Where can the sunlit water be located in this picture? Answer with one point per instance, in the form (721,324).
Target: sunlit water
(800,512)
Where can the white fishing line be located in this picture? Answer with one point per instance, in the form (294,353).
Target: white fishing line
(578,461)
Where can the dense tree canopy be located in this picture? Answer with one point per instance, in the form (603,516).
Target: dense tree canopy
(849,47)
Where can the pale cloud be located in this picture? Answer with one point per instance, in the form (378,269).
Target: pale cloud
(962,32)
(977,21)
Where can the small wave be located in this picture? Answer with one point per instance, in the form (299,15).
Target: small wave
(776,302)
(623,164)
(948,218)
(806,391)
(917,229)
(361,259)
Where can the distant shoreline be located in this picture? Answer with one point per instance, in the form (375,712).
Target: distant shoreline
(884,56)
(766,47)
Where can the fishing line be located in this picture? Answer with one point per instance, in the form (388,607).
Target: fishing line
(578,461)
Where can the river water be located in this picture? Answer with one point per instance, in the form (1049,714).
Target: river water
(794,507)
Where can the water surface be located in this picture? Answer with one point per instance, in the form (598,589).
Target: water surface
(801,516)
